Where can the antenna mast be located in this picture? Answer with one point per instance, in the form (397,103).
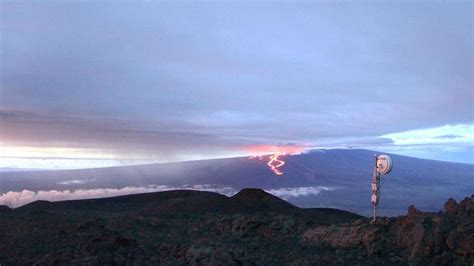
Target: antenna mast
(382,165)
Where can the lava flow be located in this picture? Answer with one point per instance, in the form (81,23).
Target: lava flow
(274,162)
(276,153)
(279,163)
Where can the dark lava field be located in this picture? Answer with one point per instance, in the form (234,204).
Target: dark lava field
(250,228)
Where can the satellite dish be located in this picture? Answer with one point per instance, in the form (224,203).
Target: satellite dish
(384,164)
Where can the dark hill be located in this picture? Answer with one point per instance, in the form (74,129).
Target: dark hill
(177,201)
(188,202)
(4,209)
(206,228)
(253,199)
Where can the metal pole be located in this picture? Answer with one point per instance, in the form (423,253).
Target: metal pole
(375,189)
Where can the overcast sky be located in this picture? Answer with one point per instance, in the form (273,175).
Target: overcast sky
(164,81)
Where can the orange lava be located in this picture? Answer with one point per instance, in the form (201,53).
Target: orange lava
(274,153)
(274,162)
(279,163)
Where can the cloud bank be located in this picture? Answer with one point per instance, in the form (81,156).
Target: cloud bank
(76,182)
(161,80)
(17,199)
(287,193)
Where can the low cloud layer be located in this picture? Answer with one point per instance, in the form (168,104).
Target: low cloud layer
(16,199)
(287,193)
(76,182)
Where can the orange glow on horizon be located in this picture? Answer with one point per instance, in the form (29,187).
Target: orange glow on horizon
(255,150)
(275,160)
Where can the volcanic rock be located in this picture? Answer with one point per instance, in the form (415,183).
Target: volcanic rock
(205,228)
(420,238)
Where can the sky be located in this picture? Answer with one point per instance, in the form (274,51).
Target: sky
(100,83)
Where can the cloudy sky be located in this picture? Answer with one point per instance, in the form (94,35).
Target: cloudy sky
(96,83)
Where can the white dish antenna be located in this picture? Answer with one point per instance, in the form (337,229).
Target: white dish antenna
(384,164)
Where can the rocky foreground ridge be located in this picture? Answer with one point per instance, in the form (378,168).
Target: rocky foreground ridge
(443,238)
(250,228)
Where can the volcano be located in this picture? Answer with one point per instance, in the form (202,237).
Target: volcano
(320,178)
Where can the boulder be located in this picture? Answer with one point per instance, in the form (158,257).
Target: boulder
(450,206)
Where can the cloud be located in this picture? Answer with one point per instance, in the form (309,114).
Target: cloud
(16,199)
(79,137)
(451,136)
(287,193)
(461,134)
(76,182)
(162,80)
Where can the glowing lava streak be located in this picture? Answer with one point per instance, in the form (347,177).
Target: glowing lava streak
(276,153)
(275,163)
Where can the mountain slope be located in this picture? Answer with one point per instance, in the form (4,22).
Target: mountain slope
(332,178)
